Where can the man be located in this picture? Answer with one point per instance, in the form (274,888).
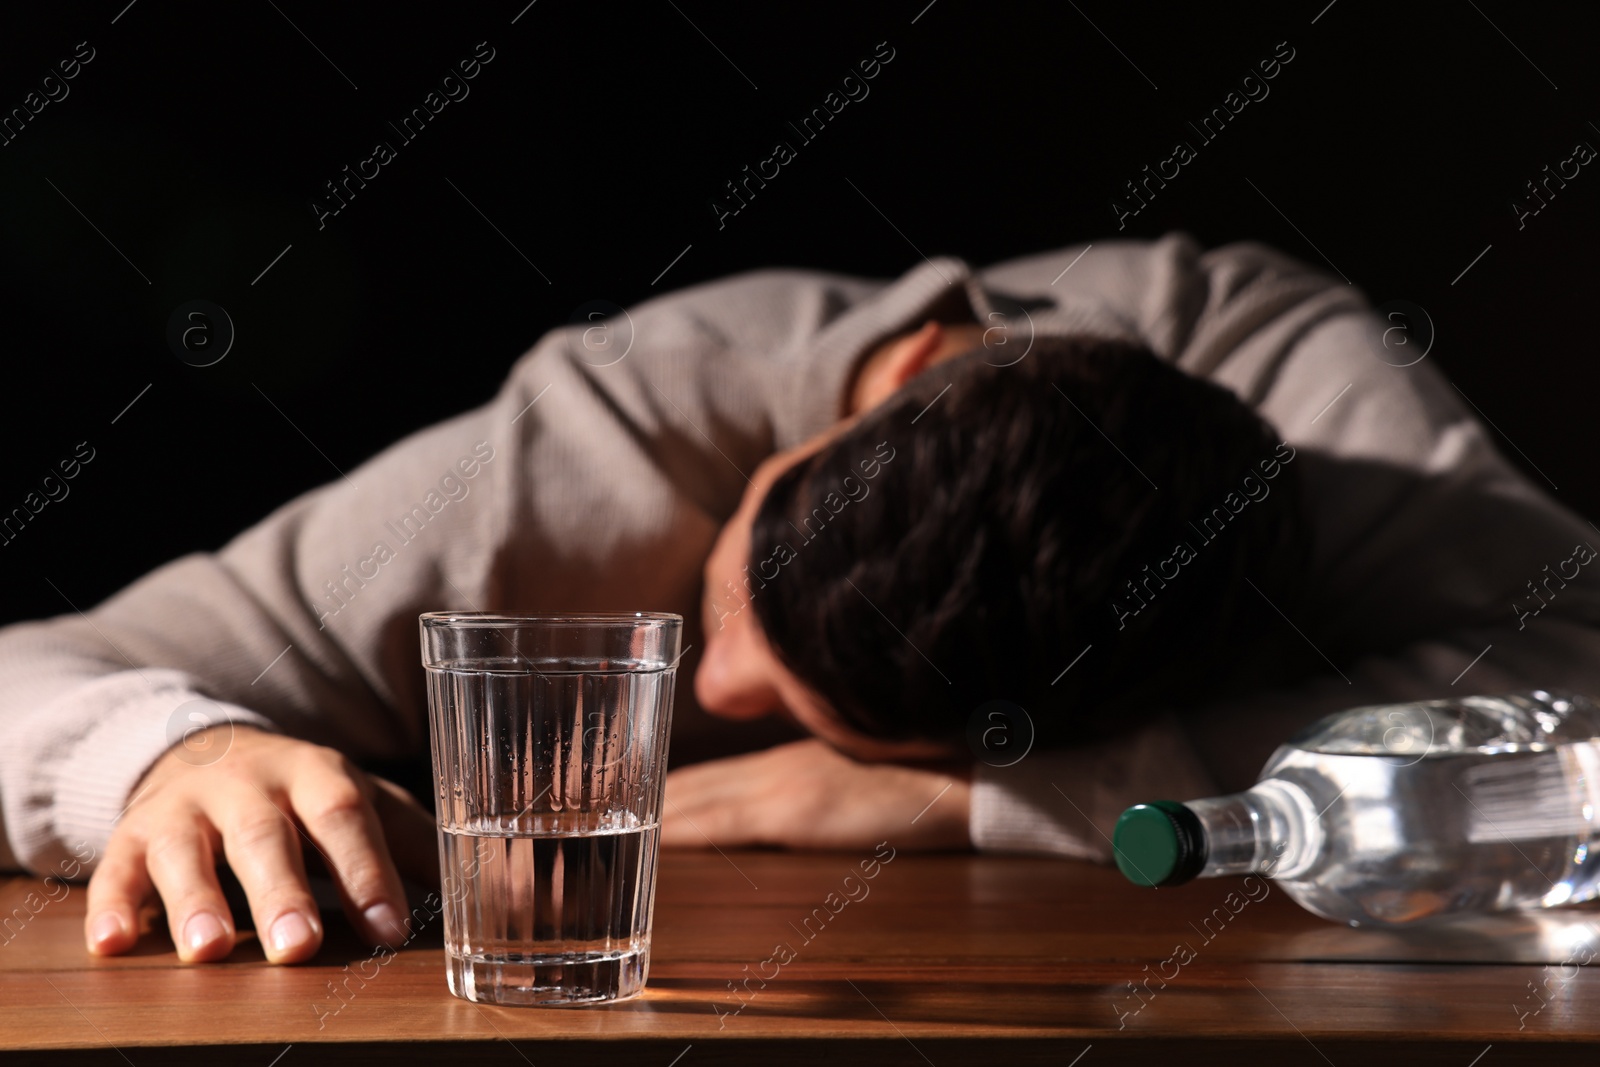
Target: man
(595,481)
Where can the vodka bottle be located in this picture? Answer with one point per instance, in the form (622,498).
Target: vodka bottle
(1397,813)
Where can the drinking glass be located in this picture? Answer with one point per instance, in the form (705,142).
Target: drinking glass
(549,757)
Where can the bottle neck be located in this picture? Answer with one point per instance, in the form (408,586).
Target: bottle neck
(1270,829)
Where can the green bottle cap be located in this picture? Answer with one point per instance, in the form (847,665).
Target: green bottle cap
(1160,843)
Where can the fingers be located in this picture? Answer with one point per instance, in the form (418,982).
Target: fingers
(677,833)
(263,848)
(181,860)
(806,795)
(341,821)
(259,808)
(706,806)
(676,828)
(117,890)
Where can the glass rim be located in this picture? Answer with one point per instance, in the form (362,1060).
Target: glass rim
(500,620)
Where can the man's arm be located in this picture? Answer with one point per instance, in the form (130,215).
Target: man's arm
(595,478)
(290,627)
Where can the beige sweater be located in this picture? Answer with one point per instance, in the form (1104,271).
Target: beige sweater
(592,484)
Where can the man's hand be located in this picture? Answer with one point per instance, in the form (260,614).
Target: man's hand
(258,805)
(806,795)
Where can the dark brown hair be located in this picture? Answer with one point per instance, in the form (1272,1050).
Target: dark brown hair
(1012,527)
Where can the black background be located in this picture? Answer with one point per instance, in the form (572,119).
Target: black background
(198,136)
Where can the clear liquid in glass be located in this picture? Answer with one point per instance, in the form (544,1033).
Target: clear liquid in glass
(545,912)
(549,794)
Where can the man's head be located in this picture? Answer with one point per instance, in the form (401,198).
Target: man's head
(976,526)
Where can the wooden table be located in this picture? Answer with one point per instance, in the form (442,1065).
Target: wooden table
(948,959)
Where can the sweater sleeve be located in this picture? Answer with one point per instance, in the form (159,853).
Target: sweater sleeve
(1425,544)
(595,479)
(282,628)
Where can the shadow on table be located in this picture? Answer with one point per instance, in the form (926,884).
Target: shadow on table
(881,1000)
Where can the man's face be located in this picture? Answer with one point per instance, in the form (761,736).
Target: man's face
(740,676)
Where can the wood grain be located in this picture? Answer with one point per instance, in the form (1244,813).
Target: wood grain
(948,959)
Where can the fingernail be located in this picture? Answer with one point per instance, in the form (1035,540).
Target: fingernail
(107,926)
(202,929)
(386,922)
(291,931)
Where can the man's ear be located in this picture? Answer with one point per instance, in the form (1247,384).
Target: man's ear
(911,355)
(897,364)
